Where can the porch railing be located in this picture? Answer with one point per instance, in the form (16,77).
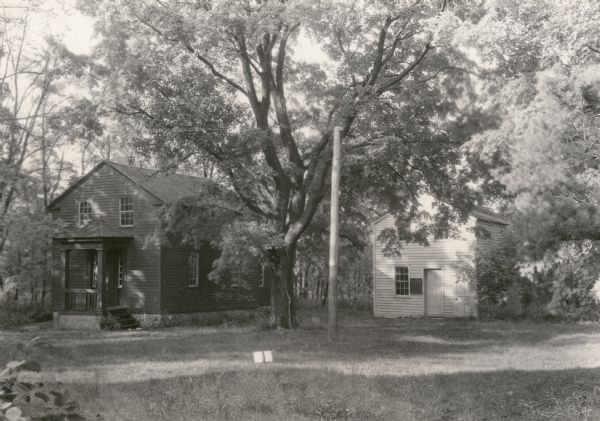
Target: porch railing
(81,299)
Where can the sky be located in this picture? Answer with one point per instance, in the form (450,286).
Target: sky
(59,18)
(79,33)
(62,20)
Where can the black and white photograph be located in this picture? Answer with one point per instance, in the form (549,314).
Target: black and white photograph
(279,210)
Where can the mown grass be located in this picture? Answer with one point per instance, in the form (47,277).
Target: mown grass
(379,370)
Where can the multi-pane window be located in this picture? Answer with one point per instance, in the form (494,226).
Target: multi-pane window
(126,211)
(85,212)
(121,271)
(193,269)
(402,281)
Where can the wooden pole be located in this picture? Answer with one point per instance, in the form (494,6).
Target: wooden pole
(333,236)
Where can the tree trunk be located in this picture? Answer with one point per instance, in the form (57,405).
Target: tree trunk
(45,274)
(325,294)
(283,311)
(317,292)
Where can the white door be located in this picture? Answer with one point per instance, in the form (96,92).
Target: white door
(434,299)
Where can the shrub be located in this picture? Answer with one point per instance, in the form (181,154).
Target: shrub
(14,314)
(32,400)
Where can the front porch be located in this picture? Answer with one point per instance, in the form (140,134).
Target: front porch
(90,265)
(81,300)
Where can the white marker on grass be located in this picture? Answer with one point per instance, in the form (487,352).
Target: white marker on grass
(263,357)
(259,357)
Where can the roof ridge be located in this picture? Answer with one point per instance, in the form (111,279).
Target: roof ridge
(109,162)
(164,187)
(478,212)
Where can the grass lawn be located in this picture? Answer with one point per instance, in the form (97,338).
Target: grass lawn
(421,369)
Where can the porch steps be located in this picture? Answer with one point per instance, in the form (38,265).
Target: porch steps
(120,318)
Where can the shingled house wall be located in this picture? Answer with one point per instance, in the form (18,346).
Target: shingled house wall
(492,236)
(104,188)
(156,273)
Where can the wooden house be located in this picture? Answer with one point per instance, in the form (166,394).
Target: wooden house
(432,280)
(113,259)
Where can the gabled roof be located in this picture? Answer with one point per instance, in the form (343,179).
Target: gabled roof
(478,212)
(485,214)
(94,229)
(164,187)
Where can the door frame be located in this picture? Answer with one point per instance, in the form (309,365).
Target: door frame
(440,268)
(112,269)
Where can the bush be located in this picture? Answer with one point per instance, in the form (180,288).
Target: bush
(262,319)
(15,315)
(20,400)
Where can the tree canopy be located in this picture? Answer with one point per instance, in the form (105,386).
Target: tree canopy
(544,148)
(231,83)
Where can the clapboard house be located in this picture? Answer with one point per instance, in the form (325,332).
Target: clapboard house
(438,280)
(112,259)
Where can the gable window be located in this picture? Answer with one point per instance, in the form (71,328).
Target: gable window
(401,280)
(126,212)
(121,270)
(85,212)
(193,269)
(261,278)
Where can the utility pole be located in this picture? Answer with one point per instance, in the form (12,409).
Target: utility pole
(333,235)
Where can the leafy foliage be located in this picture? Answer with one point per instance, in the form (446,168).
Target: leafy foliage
(34,86)
(544,148)
(226,82)
(24,400)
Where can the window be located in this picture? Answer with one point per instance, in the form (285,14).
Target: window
(416,286)
(261,278)
(85,212)
(193,269)
(121,270)
(126,212)
(402,282)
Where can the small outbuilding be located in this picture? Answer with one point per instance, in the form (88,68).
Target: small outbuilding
(438,280)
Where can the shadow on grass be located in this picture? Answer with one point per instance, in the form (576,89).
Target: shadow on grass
(371,339)
(274,393)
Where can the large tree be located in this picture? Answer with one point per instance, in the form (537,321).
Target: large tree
(544,150)
(234,82)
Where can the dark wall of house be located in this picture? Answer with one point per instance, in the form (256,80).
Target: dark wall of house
(178,297)
(104,189)
(491,247)
(490,236)
(79,269)
(264,292)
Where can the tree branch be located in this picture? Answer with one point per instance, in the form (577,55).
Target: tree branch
(212,68)
(406,71)
(247,201)
(594,49)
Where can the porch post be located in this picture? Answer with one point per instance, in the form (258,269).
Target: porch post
(62,279)
(102,274)
(67,262)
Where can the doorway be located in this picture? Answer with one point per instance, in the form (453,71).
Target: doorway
(434,294)
(115,263)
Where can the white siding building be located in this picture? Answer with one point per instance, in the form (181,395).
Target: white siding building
(424,280)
